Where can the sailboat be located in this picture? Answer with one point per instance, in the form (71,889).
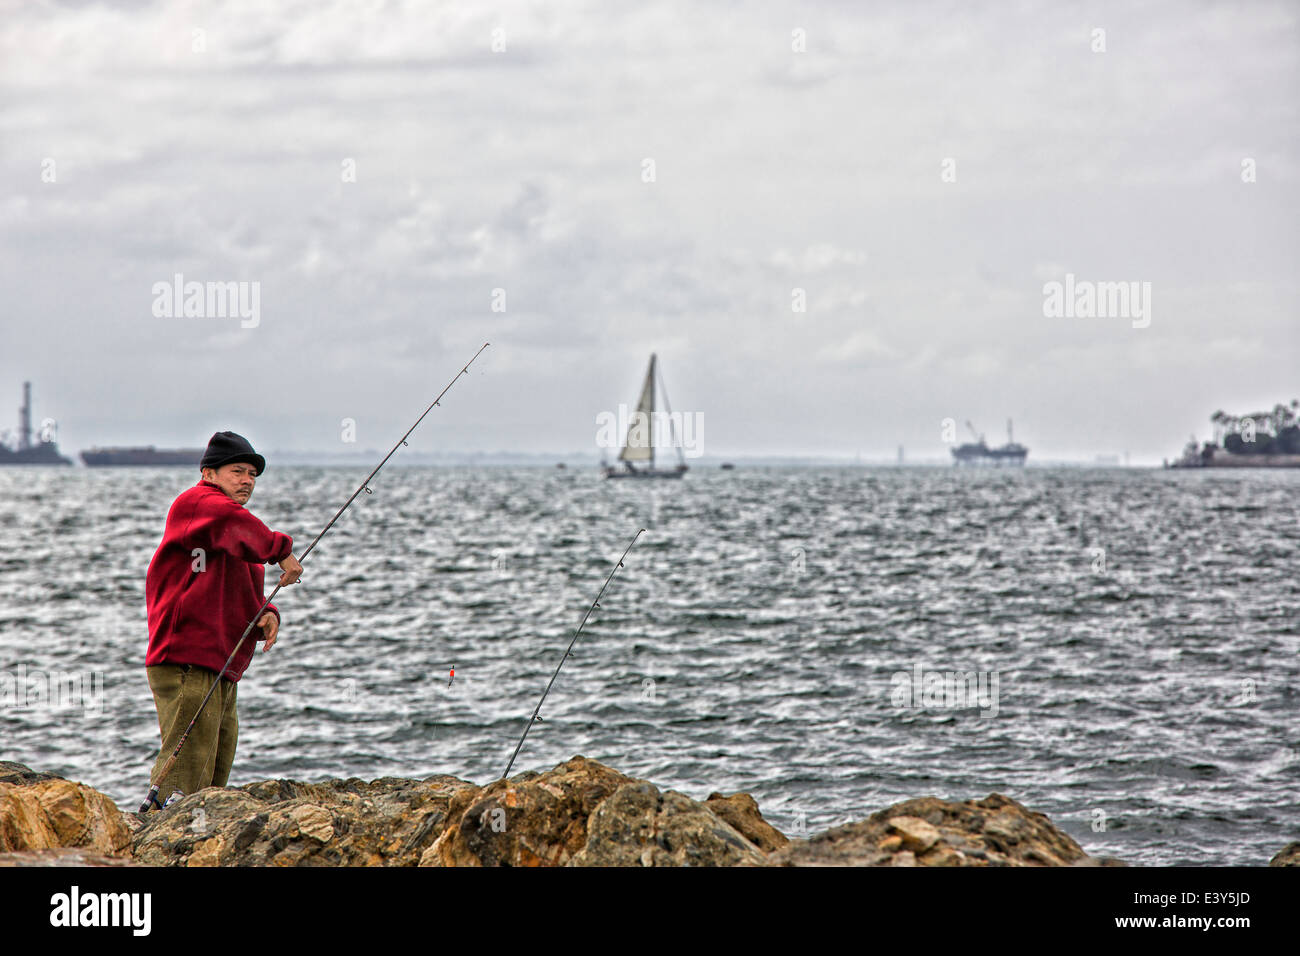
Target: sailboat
(638,454)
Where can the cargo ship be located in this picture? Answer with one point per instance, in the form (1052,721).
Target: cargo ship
(1255,440)
(43,451)
(146,455)
(979,453)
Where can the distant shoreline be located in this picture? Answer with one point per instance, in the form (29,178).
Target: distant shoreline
(416,460)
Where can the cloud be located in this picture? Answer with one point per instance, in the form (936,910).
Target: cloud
(858,346)
(816,258)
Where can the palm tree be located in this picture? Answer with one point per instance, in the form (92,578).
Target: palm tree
(1222,424)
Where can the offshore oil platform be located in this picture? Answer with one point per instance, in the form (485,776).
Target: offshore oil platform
(979,453)
(43,451)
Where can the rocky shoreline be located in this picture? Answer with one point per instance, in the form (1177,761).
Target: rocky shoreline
(581,813)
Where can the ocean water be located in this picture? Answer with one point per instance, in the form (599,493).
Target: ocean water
(1126,639)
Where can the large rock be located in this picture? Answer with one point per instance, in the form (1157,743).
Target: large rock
(1289,855)
(995,831)
(530,819)
(639,826)
(17,773)
(41,811)
(583,813)
(387,822)
(741,811)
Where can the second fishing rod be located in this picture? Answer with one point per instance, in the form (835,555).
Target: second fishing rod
(536,715)
(152,799)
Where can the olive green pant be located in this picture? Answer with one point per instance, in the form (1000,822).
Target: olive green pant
(209,750)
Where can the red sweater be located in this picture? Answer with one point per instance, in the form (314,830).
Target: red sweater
(196,617)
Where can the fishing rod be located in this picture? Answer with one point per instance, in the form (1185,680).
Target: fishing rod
(594,604)
(152,799)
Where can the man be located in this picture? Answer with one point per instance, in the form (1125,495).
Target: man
(204,584)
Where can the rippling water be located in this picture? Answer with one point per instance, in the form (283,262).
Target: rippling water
(1139,628)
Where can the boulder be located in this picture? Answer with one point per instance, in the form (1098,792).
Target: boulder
(530,819)
(41,811)
(17,773)
(640,826)
(1289,855)
(583,813)
(914,833)
(927,831)
(741,811)
(387,822)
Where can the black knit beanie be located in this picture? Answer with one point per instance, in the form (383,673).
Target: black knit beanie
(226,448)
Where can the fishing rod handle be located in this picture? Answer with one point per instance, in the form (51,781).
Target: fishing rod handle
(151,800)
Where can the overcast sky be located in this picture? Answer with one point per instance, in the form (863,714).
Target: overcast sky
(794,146)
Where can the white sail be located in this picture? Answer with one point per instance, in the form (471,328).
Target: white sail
(637,446)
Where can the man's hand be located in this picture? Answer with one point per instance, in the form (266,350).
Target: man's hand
(292,570)
(270,625)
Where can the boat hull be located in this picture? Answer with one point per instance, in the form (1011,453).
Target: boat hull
(647,473)
(1240,461)
(142,456)
(46,453)
(983,455)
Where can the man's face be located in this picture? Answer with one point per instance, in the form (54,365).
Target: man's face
(236,479)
